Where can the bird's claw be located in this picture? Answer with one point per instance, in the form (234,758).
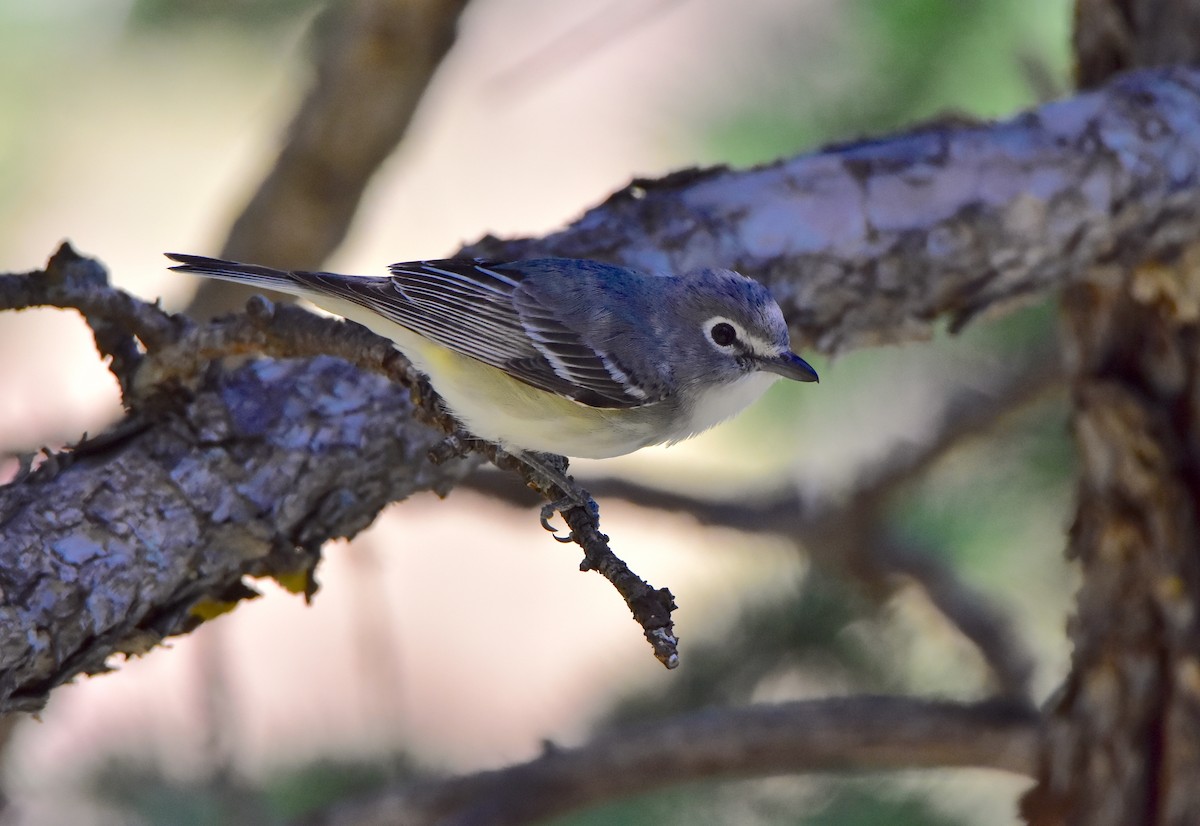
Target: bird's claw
(548,511)
(553,469)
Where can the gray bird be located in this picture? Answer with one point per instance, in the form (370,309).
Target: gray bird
(559,355)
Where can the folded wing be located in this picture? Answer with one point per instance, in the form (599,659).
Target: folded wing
(489,312)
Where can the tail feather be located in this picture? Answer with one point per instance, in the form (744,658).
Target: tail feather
(251,274)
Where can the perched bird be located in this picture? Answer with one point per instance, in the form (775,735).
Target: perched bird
(558,355)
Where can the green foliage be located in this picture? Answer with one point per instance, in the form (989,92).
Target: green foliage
(1007,489)
(692,805)
(151,798)
(887,64)
(791,803)
(251,13)
(860,804)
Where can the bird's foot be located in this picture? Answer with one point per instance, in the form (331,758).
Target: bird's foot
(552,468)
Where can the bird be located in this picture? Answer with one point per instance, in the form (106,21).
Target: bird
(571,357)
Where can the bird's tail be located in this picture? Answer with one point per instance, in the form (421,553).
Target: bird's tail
(252,274)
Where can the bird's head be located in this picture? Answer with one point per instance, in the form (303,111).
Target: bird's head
(731,327)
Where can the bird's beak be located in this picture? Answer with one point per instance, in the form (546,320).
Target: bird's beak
(790,366)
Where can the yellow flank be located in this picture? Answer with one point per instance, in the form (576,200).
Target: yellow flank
(490,403)
(493,405)
(439,357)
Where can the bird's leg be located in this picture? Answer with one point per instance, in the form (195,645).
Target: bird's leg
(551,468)
(547,470)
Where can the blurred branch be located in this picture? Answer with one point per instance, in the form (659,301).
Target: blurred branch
(837,734)
(605,26)
(875,241)
(809,634)
(374,60)
(1113,36)
(976,616)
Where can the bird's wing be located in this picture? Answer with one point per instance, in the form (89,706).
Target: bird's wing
(488,312)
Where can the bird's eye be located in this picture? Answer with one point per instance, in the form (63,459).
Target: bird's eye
(723,334)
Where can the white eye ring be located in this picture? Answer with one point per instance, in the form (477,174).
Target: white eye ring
(723,333)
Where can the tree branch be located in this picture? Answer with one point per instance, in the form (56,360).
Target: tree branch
(846,535)
(117,320)
(244,470)
(1122,740)
(862,733)
(869,242)
(873,242)
(223,470)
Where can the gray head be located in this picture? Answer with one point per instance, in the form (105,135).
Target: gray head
(737,322)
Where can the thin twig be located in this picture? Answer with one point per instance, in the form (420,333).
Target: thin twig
(118,320)
(847,535)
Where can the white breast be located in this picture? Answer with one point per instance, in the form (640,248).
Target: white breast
(716,404)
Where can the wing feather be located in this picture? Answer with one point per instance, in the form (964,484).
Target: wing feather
(492,313)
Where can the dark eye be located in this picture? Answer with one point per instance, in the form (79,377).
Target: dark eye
(723,334)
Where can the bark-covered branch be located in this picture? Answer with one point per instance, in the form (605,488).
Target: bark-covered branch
(861,243)
(224,468)
(876,241)
(120,541)
(836,734)
(1122,734)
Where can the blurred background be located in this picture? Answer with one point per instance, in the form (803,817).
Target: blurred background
(138,127)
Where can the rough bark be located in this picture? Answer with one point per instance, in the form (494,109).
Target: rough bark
(877,241)
(1122,734)
(194,373)
(1122,742)
(149,530)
